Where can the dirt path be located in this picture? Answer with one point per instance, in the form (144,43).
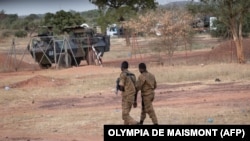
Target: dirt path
(77,117)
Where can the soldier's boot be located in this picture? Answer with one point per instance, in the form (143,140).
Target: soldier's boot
(155,121)
(141,122)
(134,123)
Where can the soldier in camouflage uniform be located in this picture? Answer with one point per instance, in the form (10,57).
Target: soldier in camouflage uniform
(127,86)
(146,83)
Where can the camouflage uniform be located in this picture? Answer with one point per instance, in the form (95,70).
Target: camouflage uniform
(127,96)
(147,84)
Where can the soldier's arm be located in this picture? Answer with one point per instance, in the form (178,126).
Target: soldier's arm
(135,100)
(136,93)
(117,85)
(137,89)
(155,83)
(140,81)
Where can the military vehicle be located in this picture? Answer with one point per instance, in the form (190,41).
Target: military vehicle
(79,43)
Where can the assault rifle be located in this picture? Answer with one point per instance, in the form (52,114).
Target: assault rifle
(117,85)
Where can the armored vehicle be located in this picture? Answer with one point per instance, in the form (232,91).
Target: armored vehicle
(79,43)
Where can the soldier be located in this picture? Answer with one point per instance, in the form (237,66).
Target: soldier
(146,83)
(50,31)
(127,86)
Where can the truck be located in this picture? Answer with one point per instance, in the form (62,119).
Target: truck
(77,44)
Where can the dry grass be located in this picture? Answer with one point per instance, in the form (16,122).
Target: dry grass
(225,72)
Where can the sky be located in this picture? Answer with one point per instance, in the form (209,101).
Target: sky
(26,7)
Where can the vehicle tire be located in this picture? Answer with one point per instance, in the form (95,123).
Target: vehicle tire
(44,66)
(90,57)
(65,61)
(76,62)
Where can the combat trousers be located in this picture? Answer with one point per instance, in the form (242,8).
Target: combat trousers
(147,108)
(127,103)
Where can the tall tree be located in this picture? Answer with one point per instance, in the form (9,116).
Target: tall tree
(116,5)
(7,20)
(116,11)
(2,15)
(135,4)
(31,23)
(62,19)
(232,13)
(172,27)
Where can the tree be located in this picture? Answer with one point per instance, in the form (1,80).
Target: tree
(31,26)
(232,13)
(134,4)
(62,19)
(2,15)
(8,19)
(115,11)
(173,26)
(31,23)
(32,17)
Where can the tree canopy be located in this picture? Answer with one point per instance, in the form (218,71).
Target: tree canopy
(134,4)
(116,11)
(62,19)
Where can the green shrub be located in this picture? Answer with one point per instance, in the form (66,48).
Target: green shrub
(21,33)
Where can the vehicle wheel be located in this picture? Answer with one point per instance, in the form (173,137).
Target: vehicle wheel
(44,66)
(90,57)
(76,62)
(65,61)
